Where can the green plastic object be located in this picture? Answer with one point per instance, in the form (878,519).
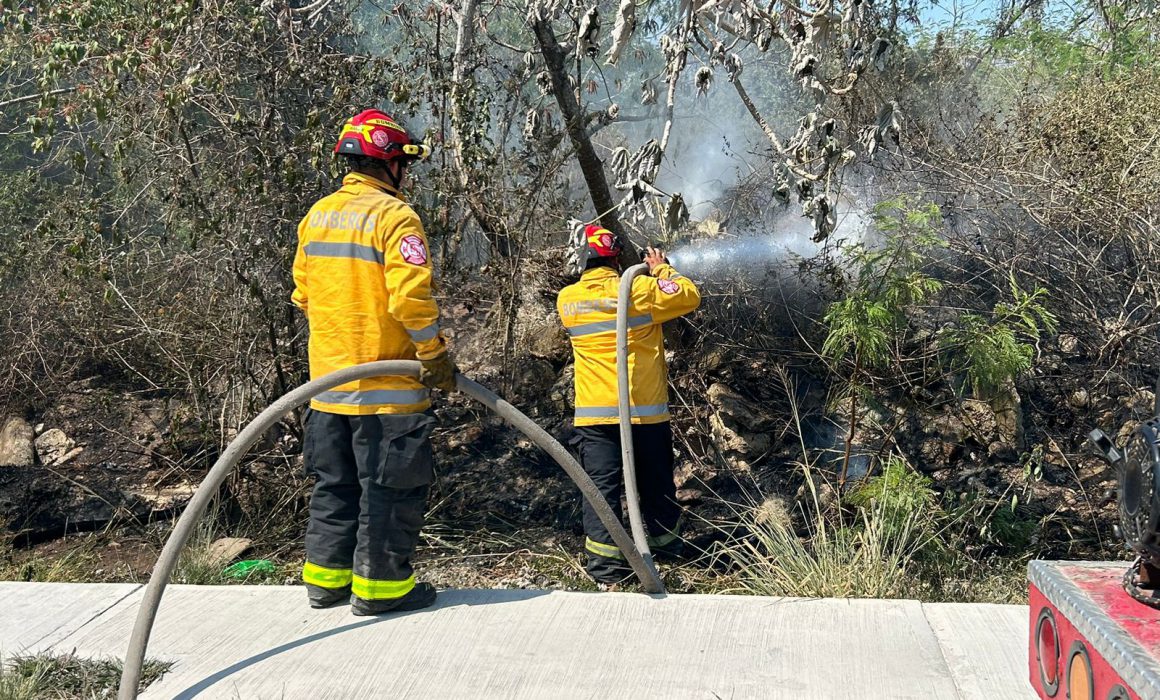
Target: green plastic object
(244,569)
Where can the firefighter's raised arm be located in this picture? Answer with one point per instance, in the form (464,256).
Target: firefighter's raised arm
(664,293)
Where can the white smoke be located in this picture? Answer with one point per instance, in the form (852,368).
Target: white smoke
(705,160)
(788,237)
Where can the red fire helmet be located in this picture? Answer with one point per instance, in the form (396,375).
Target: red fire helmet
(602,243)
(373,134)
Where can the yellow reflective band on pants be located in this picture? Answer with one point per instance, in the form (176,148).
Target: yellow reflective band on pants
(669,536)
(325,577)
(600,549)
(370,589)
(663,540)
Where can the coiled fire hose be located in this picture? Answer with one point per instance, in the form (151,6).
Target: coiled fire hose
(224,466)
(631,493)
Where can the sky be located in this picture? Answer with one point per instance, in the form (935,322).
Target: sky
(944,12)
(971,11)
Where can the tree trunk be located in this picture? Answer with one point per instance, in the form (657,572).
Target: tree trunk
(492,226)
(590,164)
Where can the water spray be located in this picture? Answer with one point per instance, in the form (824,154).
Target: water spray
(787,238)
(717,258)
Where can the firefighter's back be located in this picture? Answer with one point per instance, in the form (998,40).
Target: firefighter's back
(348,243)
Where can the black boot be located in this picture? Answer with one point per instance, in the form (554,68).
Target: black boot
(421,596)
(672,552)
(607,569)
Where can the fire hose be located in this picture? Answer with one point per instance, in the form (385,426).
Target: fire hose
(641,564)
(628,460)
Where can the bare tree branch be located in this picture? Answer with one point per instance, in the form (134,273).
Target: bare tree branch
(41,96)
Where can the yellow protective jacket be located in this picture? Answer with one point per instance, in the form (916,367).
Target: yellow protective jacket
(362,274)
(588,310)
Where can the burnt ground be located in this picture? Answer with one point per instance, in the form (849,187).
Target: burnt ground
(502,513)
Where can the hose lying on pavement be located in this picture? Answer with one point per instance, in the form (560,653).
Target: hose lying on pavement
(187,523)
(628,460)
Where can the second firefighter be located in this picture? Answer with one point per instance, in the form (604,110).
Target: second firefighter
(588,311)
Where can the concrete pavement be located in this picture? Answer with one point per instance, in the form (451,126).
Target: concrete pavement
(264,642)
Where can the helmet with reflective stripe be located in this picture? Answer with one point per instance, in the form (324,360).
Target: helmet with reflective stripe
(592,241)
(602,243)
(373,134)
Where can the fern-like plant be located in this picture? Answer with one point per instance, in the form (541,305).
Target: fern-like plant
(889,280)
(995,349)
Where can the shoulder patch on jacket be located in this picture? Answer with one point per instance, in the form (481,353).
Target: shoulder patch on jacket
(668,286)
(413,250)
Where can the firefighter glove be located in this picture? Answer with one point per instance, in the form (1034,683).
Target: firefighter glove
(439,372)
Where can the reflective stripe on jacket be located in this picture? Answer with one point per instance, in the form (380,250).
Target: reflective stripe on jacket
(362,274)
(588,310)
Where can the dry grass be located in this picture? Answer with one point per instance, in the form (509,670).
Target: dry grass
(871,557)
(52,677)
(74,566)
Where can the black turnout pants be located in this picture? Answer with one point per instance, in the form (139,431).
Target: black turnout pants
(372,474)
(599,447)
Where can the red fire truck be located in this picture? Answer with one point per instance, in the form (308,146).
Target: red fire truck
(1095,626)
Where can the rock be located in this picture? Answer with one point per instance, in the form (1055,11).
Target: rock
(980,419)
(996,423)
(727,402)
(737,428)
(1002,451)
(16,443)
(39,428)
(53,445)
(224,551)
(562,393)
(936,454)
(1068,344)
(167,498)
(999,418)
(548,341)
(727,437)
(950,428)
(714,359)
(1008,409)
(69,456)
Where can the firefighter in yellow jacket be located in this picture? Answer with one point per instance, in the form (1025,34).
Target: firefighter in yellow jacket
(588,310)
(362,275)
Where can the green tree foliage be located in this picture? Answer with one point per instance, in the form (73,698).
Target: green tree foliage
(889,280)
